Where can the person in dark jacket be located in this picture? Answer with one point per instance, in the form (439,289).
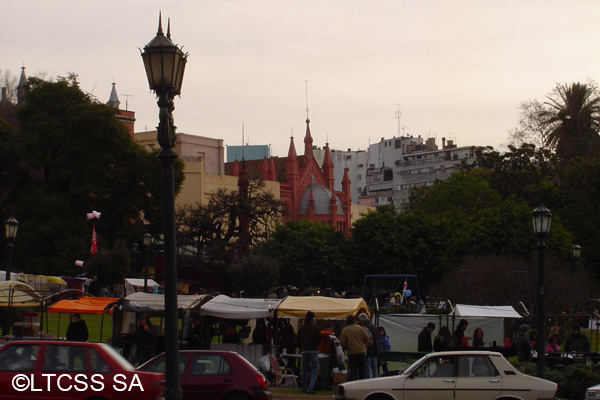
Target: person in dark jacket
(576,341)
(308,338)
(77,329)
(443,340)
(146,336)
(373,349)
(523,344)
(425,338)
(459,333)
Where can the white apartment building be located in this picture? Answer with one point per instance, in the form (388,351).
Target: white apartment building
(399,164)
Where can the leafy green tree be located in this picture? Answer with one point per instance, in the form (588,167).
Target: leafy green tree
(526,172)
(310,254)
(572,119)
(8,161)
(75,157)
(255,275)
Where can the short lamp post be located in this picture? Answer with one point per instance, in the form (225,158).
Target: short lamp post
(576,251)
(147,242)
(134,254)
(165,64)
(542,219)
(11,226)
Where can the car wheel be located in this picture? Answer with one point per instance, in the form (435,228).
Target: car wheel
(379,397)
(237,397)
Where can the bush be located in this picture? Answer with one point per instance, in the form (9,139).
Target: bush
(572,381)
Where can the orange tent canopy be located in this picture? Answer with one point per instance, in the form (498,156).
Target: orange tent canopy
(84,305)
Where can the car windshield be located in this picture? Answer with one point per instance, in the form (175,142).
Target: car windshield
(414,365)
(123,363)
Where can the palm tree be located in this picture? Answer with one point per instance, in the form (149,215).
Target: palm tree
(572,118)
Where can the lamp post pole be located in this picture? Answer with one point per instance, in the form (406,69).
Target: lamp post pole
(10,225)
(165,64)
(542,219)
(134,254)
(147,241)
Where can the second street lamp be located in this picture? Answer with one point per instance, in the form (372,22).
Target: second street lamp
(11,226)
(165,64)
(542,218)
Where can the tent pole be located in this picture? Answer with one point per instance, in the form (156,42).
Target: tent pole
(101,326)
(42,320)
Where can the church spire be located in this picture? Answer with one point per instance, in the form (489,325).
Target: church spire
(308,141)
(21,86)
(113,100)
(328,167)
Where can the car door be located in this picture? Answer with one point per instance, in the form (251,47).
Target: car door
(209,377)
(435,379)
(477,378)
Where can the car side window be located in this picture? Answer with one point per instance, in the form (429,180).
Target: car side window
(64,358)
(98,363)
(436,367)
(476,366)
(209,364)
(159,364)
(19,357)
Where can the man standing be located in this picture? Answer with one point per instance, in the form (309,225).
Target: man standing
(308,338)
(523,344)
(77,329)
(146,336)
(425,338)
(354,339)
(373,349)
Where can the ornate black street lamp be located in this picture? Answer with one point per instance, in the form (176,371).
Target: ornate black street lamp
(147,242)
(134,255)
(11,226)
(165,64)
(542,218)
(576,251)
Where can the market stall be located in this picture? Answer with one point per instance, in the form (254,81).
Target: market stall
(323,307)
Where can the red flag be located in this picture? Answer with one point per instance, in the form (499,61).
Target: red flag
(94,248)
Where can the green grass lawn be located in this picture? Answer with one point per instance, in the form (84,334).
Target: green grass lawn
(57,324)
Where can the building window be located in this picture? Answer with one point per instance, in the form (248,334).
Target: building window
(398,143)
(359,190)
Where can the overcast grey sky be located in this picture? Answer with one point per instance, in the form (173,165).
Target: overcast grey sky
(458,69)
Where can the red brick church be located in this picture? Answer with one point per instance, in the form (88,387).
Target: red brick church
(306,189)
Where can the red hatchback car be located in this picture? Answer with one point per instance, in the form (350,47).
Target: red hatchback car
(215,375)
(72,370)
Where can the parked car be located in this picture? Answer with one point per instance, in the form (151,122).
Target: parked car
(593,392)
(45,369)
(461,375)
(215,375)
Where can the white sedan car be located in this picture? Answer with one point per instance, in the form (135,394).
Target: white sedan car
(463,375)
(593,393)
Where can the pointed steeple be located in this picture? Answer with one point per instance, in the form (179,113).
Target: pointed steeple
(113,100)
(308,141)
(21,86)
(328,167)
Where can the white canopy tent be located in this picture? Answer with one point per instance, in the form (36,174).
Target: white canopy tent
(132,285)
(155,303)
(403,329)
(235,308)
(464,310)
